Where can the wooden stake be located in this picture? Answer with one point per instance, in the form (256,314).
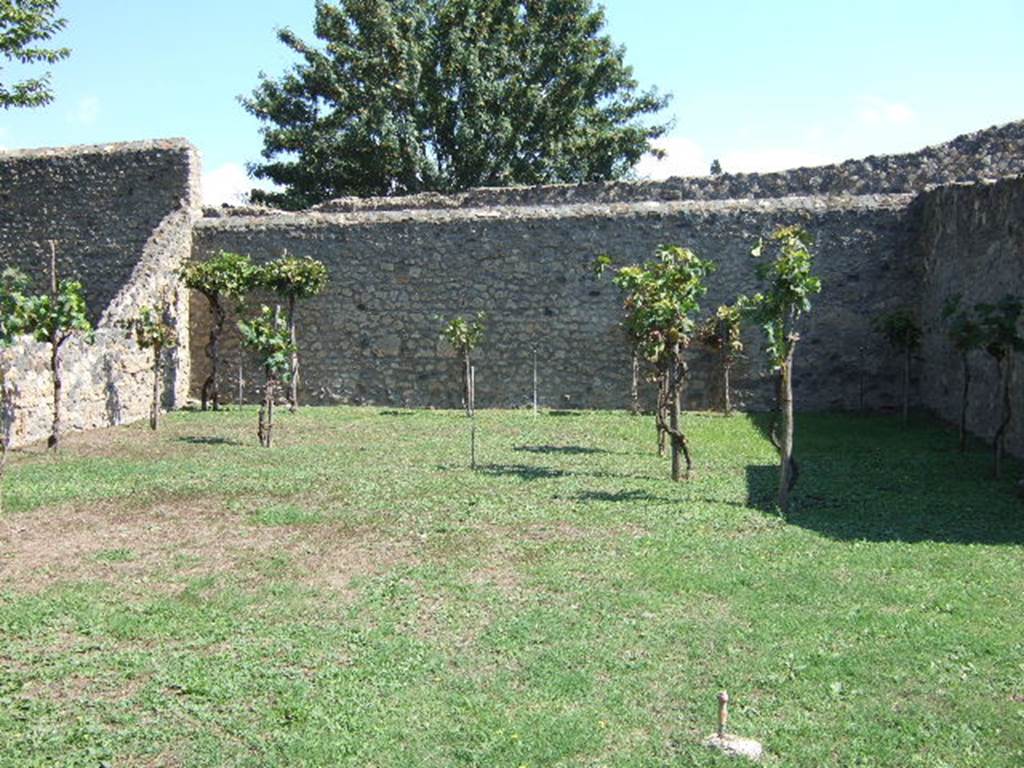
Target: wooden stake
(723,712)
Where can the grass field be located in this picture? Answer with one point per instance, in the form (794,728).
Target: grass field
(358,596)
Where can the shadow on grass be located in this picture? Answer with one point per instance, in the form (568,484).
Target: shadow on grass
(565,413)
(623,496)
(868,478)
(521,471)
(203,440)
(397,413)
(566,450)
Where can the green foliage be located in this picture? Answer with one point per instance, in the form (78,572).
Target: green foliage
(900,329)
(56,319)
(963,328)
(789,286)
(722,331)
(225,276)
(661,298)
(13,284)
(407,96)
(293,277)
(465,335)
(267,335)
(999,326)
(23,25)
(151,330)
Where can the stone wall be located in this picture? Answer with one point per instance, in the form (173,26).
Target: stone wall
(972,243)
(121,216)
(373,337)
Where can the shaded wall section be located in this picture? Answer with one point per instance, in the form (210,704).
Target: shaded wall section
(972,242)
(374,336)
(121,216)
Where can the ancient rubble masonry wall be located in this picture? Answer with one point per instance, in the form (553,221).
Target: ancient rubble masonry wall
(972,243)
(122,217)
(373,337)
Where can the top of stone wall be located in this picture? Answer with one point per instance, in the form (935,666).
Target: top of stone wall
(992,153)
(114,148)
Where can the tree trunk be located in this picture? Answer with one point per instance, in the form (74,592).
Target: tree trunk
(266,421)
(210,392)
(906,385)
(58,388)
(964,401)
(634,389)
(154,413)
(661,412)
(467,385)
(677,454)
(787,475)
(726,394)
(999,447)
(293,385)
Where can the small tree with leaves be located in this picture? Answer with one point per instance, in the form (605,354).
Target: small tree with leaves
(966,335)
(661,299)
(788,287)
(227,277)
(152,330)
(268,337)
(901,330)
(722,333)
(464,336)
(1001,338)
(54,318)
(292,279)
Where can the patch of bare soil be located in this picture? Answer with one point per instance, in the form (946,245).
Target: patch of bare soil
(161,547)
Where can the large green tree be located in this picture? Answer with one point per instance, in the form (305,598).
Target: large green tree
(407,96)
(25,26)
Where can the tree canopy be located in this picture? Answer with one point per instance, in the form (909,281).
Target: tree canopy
(408,96)
(24,26)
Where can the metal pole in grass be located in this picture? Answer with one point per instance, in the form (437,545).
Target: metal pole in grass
(534,381)
(472,417)
(241,384)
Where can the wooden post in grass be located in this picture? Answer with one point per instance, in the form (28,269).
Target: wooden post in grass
(723,712)
(534,381)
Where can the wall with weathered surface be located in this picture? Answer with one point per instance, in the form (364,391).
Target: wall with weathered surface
(122,217)
(373,337)
(972,244)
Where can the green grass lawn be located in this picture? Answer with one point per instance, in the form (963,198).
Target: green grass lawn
(358,596)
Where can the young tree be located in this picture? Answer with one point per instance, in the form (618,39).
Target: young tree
(901,330)
(24,24)
(293,279)
(1002,340)
(267,335)
(661,298)
(54,318)
(12,324)
(789,285)
(227,277)
(464,336)
(408,96)
(722,333)
(153,331)
(966,335)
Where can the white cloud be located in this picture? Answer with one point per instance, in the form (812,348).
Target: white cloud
(683,157)
(875,111)
(229,183)
(86,112)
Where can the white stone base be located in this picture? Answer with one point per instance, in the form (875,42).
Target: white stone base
(736,746)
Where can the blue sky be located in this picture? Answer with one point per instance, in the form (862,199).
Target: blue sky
(759,85)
